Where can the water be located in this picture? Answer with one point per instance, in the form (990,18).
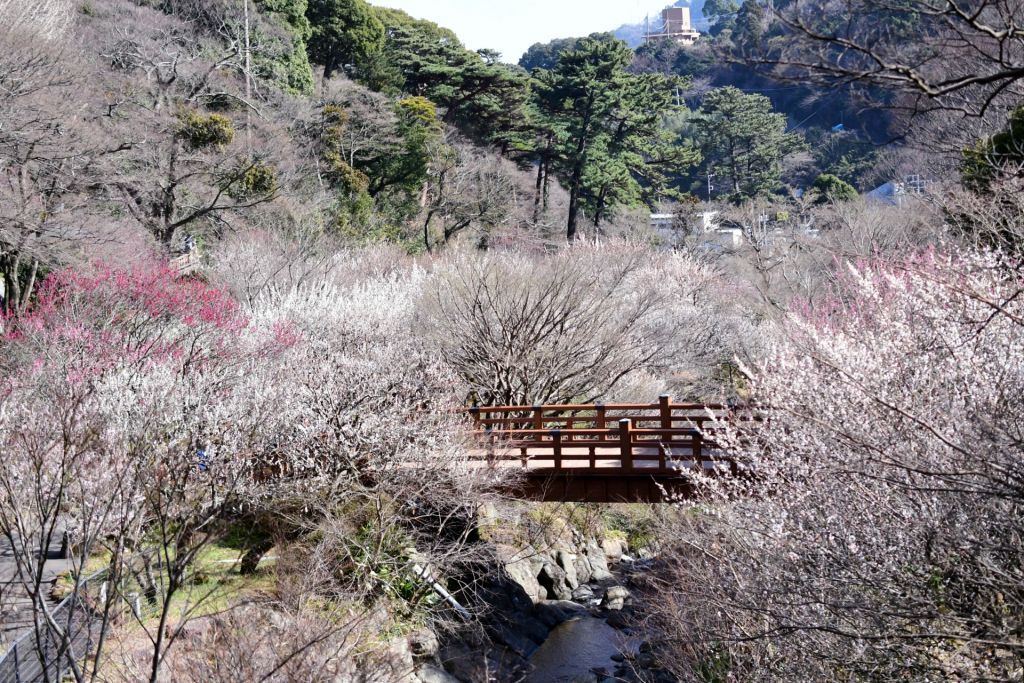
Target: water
(575,647)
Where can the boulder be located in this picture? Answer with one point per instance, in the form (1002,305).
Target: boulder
(423,643)
(552,579)
(523,568)
(510,636)
(514,629)
(620,620)
(613,549)
(468,663)
(397,660)
(567,561)
(553,612)
(598,563)
(615,598)
(583,593)
(583,571)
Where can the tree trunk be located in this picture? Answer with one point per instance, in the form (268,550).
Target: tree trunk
(252,557)
(538,191)
(426,231)
(574,209)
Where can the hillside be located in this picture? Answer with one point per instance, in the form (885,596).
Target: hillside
(332,350)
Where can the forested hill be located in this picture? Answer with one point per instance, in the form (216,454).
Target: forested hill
(180,121)
(165,122)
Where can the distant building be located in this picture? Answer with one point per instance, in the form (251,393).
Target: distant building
(890,193)
(675,25)
(663,221)
(900,193)
(704,232)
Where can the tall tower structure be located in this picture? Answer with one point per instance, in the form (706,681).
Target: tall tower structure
(675,25)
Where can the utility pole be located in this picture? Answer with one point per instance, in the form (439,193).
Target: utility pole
(710,186)
(248,79)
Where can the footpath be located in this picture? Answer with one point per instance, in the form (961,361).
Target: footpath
(15,605)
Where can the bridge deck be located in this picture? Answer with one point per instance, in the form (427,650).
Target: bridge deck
(601,453)
(645,459)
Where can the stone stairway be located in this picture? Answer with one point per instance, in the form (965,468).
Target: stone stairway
(15,604)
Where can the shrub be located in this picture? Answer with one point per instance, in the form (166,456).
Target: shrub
(199,132)
(259,179)
(833,189)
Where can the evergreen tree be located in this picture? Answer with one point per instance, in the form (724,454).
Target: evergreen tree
(343,32)
(830,188)
(599,129)
(745,141)
(721,14)
(749,29)
(477,93)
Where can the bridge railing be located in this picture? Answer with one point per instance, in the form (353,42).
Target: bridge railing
(648,437)
(664,415)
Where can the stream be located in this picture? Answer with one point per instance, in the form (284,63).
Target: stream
(576,647)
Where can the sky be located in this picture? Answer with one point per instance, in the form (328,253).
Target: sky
(514,25)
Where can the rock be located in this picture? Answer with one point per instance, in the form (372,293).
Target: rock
(583,571)
(627,558)
(468,663)
(613,549)
(618,657)
(646,660)
(487,513)
(432,674)
(567,561)
(552,579)
(423,643)
(615,598)
(523,568)
(619,620)
(553,612)
(515,640)
(645,647)
(598,563)
(589,677)
(583,593)
(398,661)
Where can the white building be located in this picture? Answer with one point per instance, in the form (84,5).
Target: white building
(675,25)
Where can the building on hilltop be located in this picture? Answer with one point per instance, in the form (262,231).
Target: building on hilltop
(675,25)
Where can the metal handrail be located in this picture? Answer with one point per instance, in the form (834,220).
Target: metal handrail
(21,663)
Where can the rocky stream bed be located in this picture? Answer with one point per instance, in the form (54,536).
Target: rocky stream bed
(568,613)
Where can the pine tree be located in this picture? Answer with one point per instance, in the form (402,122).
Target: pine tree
(600,129)
(744,140)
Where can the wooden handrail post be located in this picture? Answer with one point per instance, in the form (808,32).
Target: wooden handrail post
(556,447)
(599,420)
(665,408)
(490,445)
(538,424)
(475,412)
(626,442)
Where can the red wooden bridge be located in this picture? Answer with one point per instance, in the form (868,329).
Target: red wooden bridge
(601,453)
